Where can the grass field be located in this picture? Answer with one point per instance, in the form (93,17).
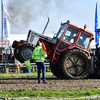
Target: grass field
(59,93)
(32,74)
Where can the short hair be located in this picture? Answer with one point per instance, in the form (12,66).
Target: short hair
(97,44)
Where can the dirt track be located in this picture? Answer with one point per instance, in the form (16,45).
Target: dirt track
(19,84)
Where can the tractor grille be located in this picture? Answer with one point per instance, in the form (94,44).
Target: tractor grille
(32,38)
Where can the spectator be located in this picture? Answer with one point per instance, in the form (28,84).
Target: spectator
(11,56)
(7,54)
(0,56)
(97,51)
(4,56)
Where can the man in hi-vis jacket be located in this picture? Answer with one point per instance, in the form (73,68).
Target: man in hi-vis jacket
(39,56)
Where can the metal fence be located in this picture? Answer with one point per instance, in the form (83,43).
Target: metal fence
(13,66)
(34,66)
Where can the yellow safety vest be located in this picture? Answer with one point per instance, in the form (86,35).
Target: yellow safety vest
(39,54)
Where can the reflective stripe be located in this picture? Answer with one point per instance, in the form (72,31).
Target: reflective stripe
(39,60)
(40,54)
(43,54)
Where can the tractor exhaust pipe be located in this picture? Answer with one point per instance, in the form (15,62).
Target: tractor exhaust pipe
(46,26)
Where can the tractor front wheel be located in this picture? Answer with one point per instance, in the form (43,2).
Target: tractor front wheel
(25,53)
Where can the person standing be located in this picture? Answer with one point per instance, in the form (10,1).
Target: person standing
(11,56)
(97,51)
(39,56)
(7,54)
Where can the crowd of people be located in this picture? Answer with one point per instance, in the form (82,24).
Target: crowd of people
(7,56)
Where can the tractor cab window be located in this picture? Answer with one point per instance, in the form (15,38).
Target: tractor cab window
(61,30)
(84,40)
(70,34)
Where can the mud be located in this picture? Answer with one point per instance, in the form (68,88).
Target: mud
(31,83)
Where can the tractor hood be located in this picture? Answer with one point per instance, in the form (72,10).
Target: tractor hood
(33,37)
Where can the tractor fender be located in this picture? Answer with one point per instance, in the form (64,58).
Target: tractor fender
(71,47)
(75,47)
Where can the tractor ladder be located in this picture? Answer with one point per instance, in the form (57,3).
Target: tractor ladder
(56,55)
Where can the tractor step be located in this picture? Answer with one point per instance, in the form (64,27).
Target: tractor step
(56,55)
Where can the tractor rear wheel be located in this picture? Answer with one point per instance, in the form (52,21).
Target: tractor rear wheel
(74,64)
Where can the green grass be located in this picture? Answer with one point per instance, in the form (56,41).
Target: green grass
(32,74)
(60,93)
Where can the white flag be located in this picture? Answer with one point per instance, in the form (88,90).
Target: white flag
(6,21)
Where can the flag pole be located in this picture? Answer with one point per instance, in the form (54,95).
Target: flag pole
(2,28)
(2,11)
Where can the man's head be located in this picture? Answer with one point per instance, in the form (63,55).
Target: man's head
(39,43)
(97,45)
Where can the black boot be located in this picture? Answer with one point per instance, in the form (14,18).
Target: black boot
(45,82)
(39,82)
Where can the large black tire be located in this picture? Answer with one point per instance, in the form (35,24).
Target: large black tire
(54,69)
(25,53)
(16,54)
(74,64)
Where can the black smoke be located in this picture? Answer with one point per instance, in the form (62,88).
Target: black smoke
(22,12)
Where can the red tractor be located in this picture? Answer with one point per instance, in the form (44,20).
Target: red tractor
(68,50)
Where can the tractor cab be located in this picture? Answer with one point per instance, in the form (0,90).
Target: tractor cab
(70,35)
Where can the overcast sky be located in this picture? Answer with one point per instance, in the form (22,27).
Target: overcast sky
(33,14)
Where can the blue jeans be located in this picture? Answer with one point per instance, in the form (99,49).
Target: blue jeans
(41,65)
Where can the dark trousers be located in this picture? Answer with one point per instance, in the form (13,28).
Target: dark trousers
(41,65)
